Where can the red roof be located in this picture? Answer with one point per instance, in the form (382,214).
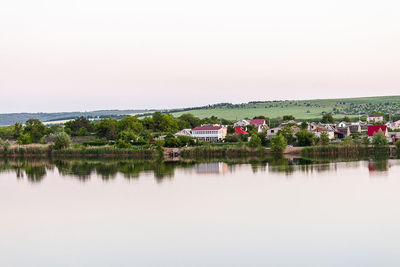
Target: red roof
(207,128)
(257,121)
(373,129)
(239,130)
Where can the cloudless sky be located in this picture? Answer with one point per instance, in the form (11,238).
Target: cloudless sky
(82,55)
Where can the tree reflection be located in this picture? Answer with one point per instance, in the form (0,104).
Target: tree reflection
(84,169)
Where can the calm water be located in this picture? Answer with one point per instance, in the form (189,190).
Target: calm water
(263,213)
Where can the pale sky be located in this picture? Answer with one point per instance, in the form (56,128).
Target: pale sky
(79,55)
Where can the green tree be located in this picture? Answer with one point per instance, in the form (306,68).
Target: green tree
(304,125)
(278,143)
(18,129)
(191,121)
(288,117)
(164,123)
(397,144)
(107,128)
(324,138)
(230,130)
(24,139)
(171,141)
(346,119)
(366,141)
(130,123)
(35,128)
(327,118)
(255,141)
(63,141)
(288,133)
(379,139)
(305,138)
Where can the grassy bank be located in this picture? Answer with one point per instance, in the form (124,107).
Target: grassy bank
(90,151)
(345,151)
(222,151)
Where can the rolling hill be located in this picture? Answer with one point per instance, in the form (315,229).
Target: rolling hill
(300,109)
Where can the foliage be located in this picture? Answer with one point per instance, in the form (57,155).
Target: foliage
(288,134)
(305,138)
(327,118)
(379,139)
(63,141)
(230,130)
(24,139)
(107,128)
(366,141)
(76,126)
(36,129)
(324,138)
(164,123)
(397,144)
(288,117)
(255,141)
(278,143)
(346,119)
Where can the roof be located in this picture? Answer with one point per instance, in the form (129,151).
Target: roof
(373,129)
(257,121)
(320,129)
(239,130)
(207,128)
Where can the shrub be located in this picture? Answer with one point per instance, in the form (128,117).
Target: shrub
(278,143)
(63,141)
(121,143)
(24,139)
(397,144)
(379,139)
(255,141)
(324,139)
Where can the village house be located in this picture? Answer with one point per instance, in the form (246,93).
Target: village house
(342,132)
(355,128)
(241,123)
(273,131)
(374,129)
(260,125)
(211,133)
(184,132)
(374,118)
(319,130)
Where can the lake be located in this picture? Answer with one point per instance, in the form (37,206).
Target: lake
(271,212)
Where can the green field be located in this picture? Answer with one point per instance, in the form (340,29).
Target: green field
(300,109)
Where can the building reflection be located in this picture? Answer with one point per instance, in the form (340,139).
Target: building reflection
(212,168)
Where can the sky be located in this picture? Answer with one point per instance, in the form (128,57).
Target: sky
(82,55)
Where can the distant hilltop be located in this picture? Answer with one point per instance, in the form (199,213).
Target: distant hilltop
(300,109)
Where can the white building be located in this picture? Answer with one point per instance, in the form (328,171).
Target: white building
(184,132)
(212,133)
(241,123)
(318,131)
(374,118)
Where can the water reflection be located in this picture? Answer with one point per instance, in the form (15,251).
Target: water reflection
(83,169)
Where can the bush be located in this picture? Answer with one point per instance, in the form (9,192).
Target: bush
(63,141)
(278,143)
(397,144)
(121,143)
(24,139)
(379,139)
(255,141)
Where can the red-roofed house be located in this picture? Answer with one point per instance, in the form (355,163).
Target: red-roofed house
(239,130)
(374,129)
(259,124)
(209,132)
